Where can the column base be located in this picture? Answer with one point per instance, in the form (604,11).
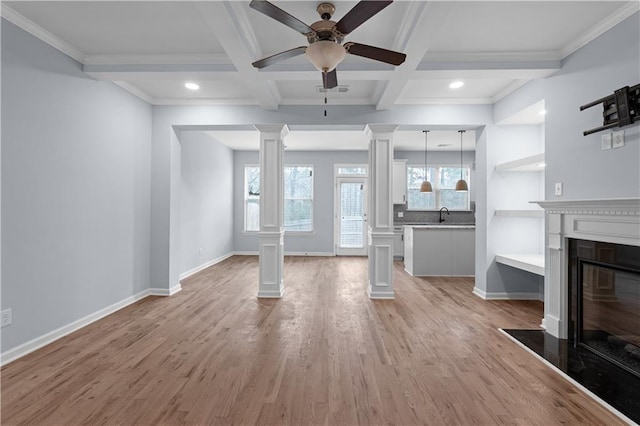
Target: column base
(380,265)
(270,283)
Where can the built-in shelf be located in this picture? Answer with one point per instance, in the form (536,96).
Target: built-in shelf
(535,163)
(533,263)
(521,213)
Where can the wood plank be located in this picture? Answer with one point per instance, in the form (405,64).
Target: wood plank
(324,354)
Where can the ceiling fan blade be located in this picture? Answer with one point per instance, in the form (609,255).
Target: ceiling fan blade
(280,15)
(270,60)
(375,53)
(330,79)
(360,13)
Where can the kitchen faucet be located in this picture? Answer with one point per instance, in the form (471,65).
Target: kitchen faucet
(441,218)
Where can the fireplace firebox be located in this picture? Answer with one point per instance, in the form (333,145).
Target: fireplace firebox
(604,301)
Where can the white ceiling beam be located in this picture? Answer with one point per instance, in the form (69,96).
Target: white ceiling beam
(420,24)
(231,28)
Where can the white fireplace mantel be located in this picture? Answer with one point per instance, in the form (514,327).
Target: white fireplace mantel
(614,220)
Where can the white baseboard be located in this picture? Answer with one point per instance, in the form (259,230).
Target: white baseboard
(50,337)
(205,265)
(570,379)
(505,296)
(288,253)
(165,292)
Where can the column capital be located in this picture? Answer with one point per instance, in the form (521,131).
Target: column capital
(281,130)
(372,130)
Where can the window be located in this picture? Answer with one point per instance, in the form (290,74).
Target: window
(443,179)
(351,169)
(298,198)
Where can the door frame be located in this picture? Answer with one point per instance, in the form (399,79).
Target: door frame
(339,179)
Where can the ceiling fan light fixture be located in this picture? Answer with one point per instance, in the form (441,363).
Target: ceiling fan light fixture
(325,55)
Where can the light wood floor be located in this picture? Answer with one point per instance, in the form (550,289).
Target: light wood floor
(324,354)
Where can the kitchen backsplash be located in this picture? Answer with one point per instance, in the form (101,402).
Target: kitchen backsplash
(413,216)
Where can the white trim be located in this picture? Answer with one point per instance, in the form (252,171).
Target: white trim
(50,337)
(171,59)
(205,265)
(155,291)
(509,88)
(570,379)
(247,252)
(601,27)
(310,253)
(135,91)
(505,296)
(533,263)
(37,31)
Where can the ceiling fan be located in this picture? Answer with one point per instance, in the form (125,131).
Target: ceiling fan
(325,50)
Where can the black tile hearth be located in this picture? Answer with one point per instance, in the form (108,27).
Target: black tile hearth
(614,385)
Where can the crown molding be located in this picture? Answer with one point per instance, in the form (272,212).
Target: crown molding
(443,101)
(601,27)
(510,88)
(135,91)
(37,31)
(472,57)
(188,59)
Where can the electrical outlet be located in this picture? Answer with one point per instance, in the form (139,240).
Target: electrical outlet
(400,214)
(5,318)
(558,189)
(618,139)
(606,141)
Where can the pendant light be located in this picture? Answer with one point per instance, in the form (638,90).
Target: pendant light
(426,185)
(461,185)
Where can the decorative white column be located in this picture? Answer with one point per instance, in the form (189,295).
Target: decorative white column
(271,235)
(380,210)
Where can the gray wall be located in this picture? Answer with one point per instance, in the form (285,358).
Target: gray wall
(75,190)
(607,63)
(206,197)
(321,240)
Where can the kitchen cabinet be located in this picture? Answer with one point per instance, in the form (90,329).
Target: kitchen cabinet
(439,250)
(399,193)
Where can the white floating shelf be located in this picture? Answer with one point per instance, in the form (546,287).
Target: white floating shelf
(521,213)
(535,163)
(533,263)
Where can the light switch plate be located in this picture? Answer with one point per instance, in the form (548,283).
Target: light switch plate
(618,139)
(606,141)
(558,189)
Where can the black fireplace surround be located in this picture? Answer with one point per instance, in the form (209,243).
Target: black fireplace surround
(604,301)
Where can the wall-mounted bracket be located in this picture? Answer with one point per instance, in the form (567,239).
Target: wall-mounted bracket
(619,110)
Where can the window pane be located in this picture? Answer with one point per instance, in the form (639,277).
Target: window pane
(450,175)
(298,182)
(417,200)
(297,215)
(252,181)
(351,215)
(415,176)
(454,200)
(252,218)
(352,170)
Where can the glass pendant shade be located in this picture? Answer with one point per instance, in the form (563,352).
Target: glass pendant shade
(426,185)
(325,55)
(461,185)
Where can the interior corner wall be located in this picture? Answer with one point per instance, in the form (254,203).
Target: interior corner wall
(206,198)
(76,158)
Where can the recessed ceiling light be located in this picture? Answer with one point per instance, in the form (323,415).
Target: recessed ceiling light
(542,112)
(456,84)
(541,165)
(191,86)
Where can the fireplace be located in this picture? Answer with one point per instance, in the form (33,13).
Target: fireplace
(604,301)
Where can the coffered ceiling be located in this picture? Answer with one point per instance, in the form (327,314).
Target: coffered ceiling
(152,48)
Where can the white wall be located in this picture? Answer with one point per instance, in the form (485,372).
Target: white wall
(206,196)
(321,239)
(607,63)
(75,190)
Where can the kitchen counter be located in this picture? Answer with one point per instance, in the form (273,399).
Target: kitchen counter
(439,250)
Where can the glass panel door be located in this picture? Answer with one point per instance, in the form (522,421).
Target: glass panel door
(351,217)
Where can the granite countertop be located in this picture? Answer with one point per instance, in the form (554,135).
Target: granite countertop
(442,226)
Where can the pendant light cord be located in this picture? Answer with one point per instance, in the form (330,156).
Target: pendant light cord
(426,132)
(461,171)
